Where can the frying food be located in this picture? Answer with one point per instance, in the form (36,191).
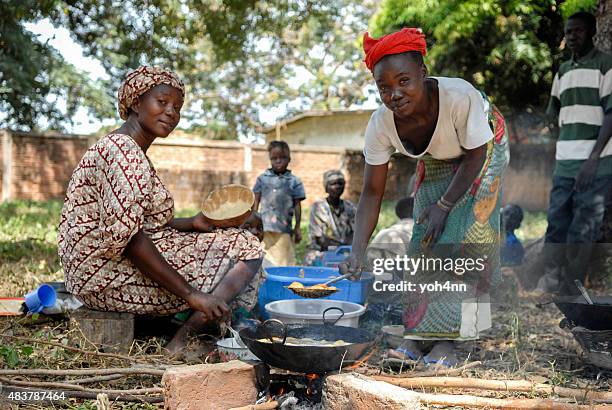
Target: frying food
(306,341)
(300,286)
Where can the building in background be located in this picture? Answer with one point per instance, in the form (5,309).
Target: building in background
(341,128)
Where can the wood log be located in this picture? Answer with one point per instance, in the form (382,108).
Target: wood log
(269,405)
(95,379)
(82,372)
(109,331)
(496,385)
(441,371)
(515,404)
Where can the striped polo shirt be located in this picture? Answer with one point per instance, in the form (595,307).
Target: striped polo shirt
(580,97)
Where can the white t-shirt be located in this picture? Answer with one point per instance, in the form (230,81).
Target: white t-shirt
(462,124)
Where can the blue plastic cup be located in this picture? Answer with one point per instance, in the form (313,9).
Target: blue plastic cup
(40,298)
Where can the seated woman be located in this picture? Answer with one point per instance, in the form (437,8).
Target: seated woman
(120,246)
(331,219)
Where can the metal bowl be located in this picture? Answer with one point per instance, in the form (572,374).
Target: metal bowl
(228,206)
(313,311)
(231,350)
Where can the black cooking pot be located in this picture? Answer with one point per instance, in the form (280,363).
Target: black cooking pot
(306,359)
(597,316)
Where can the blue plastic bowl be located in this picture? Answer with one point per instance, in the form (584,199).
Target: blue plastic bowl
(274,286)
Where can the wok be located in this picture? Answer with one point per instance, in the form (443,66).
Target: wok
(306,359)
(597,316)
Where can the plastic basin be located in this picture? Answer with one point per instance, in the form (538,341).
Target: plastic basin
(277,278)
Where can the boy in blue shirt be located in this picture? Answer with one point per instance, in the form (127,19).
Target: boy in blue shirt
(279,192)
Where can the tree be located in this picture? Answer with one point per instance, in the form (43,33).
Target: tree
(34,77)
(237,57)
(510,49)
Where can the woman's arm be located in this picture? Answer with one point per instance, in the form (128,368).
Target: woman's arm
(141,251)
(436,214)
(194,224)
(374,180)
(182,224)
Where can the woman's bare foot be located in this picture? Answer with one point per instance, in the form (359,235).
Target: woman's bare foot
(410,349)
(443,353)
(181,338)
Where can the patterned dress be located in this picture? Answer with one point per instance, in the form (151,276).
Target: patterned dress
(472,231)
(114,192)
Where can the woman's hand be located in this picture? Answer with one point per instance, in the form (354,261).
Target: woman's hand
(213,307)
(436,221)
(353,264)
(200,224)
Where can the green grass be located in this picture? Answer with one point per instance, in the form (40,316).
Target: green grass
(28,240)
(28,245)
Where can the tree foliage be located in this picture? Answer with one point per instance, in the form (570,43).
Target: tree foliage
(237,57)
(510,49)
(34,76)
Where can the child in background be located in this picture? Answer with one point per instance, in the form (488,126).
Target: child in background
(279,192)
(512,251)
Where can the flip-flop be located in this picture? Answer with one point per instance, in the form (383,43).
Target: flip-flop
(409,353)
(450,360)
(441,362)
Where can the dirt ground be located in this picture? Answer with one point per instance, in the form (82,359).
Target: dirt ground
(525,343)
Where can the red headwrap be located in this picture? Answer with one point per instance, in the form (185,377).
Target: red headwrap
(407,39)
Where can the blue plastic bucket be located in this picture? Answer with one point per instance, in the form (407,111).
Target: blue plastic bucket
(277,278)
(333,258)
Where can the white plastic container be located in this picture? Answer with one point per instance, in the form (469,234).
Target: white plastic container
(310,311)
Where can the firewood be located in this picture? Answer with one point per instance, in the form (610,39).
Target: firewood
(269,405)
(515,404)
(497,385)
(82,372)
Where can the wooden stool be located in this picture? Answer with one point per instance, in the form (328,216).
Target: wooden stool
(109,331)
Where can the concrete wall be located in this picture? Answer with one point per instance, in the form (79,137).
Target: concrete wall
(333,129)
(34,166)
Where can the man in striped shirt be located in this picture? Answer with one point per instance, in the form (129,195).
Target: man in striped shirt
(581,99)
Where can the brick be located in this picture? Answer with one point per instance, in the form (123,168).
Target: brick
(355,392)
(209,386)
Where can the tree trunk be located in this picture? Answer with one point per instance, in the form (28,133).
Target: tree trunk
(603,39)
